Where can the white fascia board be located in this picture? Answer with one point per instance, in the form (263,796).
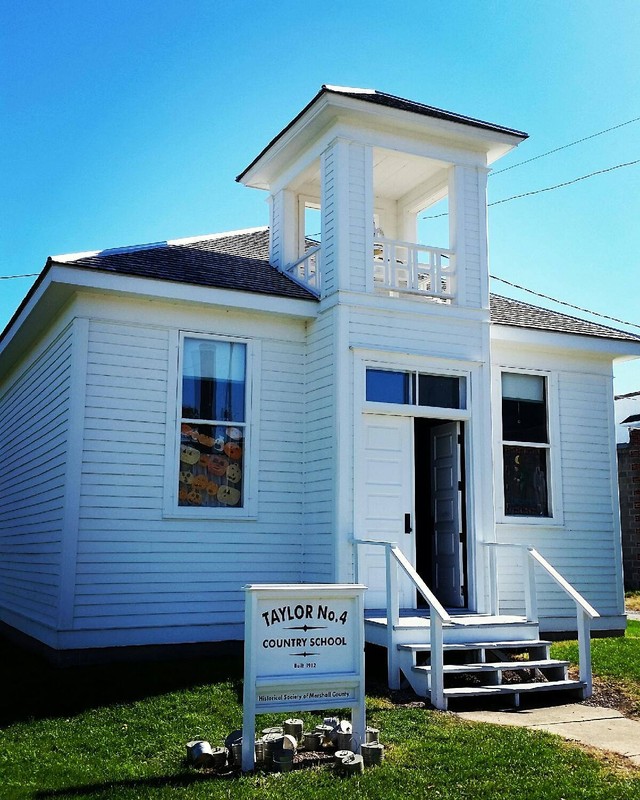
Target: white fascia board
(537,339)
(35,300)
(61,282)
(81,278)
(410,306)
(260,174)
(492,144)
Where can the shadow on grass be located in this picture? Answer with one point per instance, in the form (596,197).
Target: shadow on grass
(39,689)
(108,788)
(42,690)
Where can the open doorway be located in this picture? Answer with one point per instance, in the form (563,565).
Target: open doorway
(440,513)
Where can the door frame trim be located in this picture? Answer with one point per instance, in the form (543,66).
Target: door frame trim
(471,372)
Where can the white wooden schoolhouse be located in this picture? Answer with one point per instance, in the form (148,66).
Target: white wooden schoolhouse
(326,399)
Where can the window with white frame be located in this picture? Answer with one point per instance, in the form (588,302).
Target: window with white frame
(213,424)
(525,445)
(415,388)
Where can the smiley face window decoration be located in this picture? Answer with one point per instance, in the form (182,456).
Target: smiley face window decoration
(213,424)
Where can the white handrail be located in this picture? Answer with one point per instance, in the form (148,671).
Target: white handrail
(420,585)
(438,617)
(578,599)
(300,271)
(401,267)
(585,612)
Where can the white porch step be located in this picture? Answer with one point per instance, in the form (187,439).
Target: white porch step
(470,642)
(517,644)
(415,626)
(489,674)
(514,689)
(497,666)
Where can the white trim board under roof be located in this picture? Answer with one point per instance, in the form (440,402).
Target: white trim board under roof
(366,105)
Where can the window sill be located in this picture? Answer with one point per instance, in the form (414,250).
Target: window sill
(526,522)
(216,515)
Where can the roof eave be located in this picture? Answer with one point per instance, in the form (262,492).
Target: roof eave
(566,340)
(496,140)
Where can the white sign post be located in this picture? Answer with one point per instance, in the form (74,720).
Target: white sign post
(304,649)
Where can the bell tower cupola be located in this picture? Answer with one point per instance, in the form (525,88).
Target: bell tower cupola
(369,192)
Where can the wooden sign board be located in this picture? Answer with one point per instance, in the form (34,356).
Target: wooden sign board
(304,650)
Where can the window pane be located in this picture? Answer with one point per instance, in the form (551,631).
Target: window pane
(525,481)
(212,466)
(438,391)
(517,386)
(524,408)
(385,386)
(213,380)
(524,421)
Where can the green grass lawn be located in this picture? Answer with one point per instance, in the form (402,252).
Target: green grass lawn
(120,732)
(616,658)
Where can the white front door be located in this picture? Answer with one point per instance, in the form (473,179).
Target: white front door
(447,529)
(384,502)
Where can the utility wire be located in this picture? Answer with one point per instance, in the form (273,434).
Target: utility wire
(564,303)
(565,146)
(566,183)
(27,275)
(548,188)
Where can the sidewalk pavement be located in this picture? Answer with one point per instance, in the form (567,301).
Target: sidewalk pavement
(604,728)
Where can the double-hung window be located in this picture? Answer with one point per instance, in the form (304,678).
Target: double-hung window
(212,452)
(526,450)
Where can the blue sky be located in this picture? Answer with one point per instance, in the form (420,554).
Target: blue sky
(127,122)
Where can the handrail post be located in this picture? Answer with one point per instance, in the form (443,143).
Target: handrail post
(584,650)
(492,566)
(393,617)
(530,593)
(437,662)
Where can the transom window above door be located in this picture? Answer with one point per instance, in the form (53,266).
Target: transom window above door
(412,388)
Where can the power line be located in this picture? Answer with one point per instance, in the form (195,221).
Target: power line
(565,146)
(27,275)
(548,188)
(564,302)
(566,183)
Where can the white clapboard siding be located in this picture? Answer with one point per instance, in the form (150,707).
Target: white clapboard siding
(474,238)
(583,548)
(360,223)
(127,548)
(320,456)
(34,427)
(330,218)
(276,230)
(427,334)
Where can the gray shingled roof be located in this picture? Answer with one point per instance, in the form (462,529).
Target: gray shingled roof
(505,311)
(240,261)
